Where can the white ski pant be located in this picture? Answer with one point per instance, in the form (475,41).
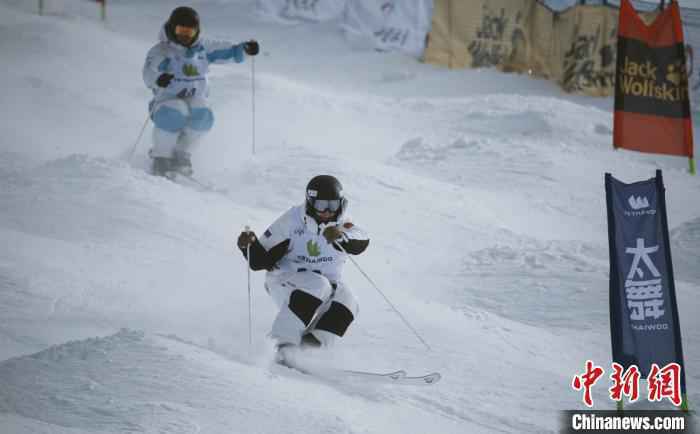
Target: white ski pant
(179,123)
(308,300)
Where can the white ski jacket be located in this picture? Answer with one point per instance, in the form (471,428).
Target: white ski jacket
(189,65)
(295,242)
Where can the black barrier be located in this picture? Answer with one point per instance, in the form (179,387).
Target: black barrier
(644,325)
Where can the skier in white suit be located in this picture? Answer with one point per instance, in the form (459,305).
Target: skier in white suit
(176,71)
(304,252)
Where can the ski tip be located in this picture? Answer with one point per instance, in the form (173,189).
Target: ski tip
(395,375)
(432,378)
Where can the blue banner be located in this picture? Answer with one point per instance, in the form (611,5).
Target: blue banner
(644,324)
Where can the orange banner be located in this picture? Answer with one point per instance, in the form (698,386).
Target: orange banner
(652,104)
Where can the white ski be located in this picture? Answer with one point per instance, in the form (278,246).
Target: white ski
(397,377)
(192,182)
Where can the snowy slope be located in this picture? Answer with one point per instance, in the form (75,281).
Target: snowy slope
(123,300)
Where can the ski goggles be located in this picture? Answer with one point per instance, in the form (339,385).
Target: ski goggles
(185,31)
(321,205)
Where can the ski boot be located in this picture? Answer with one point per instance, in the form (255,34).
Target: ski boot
(282,352)
(310,341)
(162,167)
(182,163)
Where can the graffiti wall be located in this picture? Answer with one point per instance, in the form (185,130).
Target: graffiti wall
(311,10)
(500,33)
(576,47)
(542,49)
(390,24)
(691,30)
(587,54)
(439,41)
(386,25)
(479,33)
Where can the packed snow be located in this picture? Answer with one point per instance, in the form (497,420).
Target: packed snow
(124,300)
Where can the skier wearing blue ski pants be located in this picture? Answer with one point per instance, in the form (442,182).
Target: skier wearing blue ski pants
(176,71)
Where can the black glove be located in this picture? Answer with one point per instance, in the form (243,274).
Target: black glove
(164,80)
(245,239)
(251,47)
(333,233)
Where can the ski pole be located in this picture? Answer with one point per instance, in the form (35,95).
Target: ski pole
(252,84)
(138,139)
(319,312)
(250,301)
(384,296)
(145,124)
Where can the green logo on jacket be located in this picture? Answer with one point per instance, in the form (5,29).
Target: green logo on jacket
(312,248)
(190,70)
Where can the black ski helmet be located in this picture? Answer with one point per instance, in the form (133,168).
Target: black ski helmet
(182,16)
(324,188)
